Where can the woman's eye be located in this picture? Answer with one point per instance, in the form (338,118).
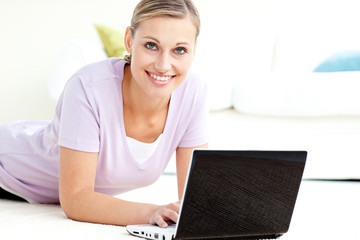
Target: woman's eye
(180,50)
(151,46)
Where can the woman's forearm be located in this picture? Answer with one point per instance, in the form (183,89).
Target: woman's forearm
(87,206)
(81,203)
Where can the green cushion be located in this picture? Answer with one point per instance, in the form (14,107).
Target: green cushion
(112,39)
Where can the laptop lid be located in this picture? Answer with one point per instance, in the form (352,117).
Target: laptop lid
(243,194)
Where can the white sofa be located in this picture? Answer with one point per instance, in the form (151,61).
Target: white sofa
(258,57)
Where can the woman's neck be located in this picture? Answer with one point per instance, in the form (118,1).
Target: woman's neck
(138,102)
(144,117)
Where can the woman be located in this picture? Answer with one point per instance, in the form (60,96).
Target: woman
(116,125)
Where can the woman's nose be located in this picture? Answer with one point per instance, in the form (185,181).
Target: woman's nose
(163,63)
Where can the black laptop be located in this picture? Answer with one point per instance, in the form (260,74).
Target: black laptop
(235,195)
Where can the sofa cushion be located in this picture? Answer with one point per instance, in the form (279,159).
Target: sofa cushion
(348,60)
(304,43)
(305,95)
(73,56)
(225,53)
(112,39)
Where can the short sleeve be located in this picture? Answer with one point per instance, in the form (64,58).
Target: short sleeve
(79,121)
(196,133)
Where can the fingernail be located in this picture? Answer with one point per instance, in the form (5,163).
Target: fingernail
(164,225)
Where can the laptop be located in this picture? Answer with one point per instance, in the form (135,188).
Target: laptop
(235,195)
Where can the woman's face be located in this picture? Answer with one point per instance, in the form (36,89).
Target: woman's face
(162,51)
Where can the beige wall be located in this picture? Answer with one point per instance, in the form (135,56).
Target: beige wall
(32,34)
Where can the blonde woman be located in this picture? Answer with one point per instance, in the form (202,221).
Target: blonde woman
(116,125)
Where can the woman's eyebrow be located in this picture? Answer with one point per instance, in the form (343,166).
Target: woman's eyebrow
(183,43)
(152,38)
(157,41)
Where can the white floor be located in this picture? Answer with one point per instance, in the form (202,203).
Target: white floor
(324,210)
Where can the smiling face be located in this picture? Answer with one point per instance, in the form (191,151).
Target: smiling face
(162,51)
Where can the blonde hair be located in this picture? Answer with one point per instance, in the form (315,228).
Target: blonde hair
(173,8)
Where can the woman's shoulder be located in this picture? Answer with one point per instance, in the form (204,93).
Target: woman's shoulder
(107,69)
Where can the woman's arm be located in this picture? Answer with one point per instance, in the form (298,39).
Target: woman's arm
(80,202)
(183,156)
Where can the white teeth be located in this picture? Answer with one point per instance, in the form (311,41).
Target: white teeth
(160,78)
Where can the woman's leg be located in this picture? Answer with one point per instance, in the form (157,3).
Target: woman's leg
(6,195)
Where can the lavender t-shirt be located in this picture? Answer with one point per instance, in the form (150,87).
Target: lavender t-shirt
(89,117)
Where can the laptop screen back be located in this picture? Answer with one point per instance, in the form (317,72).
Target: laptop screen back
(240,193)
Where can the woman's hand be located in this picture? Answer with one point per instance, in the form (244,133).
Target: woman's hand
(166,214)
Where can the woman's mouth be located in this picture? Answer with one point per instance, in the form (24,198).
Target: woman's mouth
(158,79)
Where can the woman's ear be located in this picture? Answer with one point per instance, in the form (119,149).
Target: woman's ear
(128,39)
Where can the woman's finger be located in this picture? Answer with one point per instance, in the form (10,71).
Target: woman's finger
(160,221)
(164,214)
(171,215)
